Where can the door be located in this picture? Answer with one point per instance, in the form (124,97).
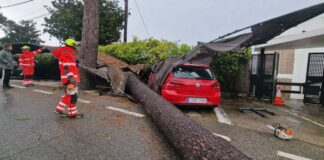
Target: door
(313,90)
(263,75)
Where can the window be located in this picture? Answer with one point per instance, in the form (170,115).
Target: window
(193,72)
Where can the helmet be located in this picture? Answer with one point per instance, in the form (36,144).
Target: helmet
(25,48)
(71,42)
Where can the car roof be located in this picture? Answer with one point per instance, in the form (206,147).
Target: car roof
(195,65)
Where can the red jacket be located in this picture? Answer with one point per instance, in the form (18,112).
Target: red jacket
(26,59)
(67,64)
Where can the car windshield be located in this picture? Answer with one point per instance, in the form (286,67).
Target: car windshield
(193,72)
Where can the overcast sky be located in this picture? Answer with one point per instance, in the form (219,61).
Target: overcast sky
(185,21)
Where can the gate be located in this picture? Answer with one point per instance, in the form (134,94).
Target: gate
(263,75)
(314,86)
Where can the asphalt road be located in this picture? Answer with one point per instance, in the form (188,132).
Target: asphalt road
(113,128)
(29,129)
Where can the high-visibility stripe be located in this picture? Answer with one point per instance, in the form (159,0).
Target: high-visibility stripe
(27,59)
(67,64)
(65,77)
(72,108)
(62,104)
(59,107)
(74,112)
(22,64)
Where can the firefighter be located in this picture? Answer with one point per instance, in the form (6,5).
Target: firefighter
(27,63)
(70,78)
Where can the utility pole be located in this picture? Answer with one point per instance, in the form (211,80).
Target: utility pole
(125,21)
(89,42)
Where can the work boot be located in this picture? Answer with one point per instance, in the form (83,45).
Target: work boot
(78,115)
(59,112)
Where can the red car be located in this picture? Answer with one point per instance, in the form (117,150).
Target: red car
(192,84)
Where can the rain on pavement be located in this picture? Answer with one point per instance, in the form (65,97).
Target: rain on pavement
(114,128)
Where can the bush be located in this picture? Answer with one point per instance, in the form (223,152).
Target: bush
(230,66)
(46,66)
(147,51)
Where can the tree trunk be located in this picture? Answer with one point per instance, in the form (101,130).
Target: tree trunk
(89,43)
(190,139)
(126,21)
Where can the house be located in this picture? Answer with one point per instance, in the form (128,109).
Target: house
(294,59)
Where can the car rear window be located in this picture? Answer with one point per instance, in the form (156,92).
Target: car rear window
(193,72)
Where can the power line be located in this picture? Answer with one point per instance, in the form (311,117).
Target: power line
(30,13)
(139,11)
(16,4)
(43,15)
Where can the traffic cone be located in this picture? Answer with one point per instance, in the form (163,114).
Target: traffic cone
(278,99)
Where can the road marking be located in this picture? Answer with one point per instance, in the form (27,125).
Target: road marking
(84,101)
(41,91)
(21,87)
(222,136)
(291,156)
(295,114)
(125,111)
(222,116)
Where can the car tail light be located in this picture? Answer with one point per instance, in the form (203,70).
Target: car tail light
(175,83)
(215,85)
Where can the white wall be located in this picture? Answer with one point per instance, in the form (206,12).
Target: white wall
(300,68)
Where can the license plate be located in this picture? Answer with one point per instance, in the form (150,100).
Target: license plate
(197,100)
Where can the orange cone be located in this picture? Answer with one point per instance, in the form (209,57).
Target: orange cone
(278,99)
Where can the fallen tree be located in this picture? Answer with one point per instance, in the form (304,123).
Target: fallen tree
(190,139)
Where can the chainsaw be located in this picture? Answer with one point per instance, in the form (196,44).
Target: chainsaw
(282,132)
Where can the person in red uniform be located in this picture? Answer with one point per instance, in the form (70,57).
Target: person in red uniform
(70,78)
(27,63)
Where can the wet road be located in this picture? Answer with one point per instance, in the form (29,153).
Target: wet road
(114,128)
(30,130)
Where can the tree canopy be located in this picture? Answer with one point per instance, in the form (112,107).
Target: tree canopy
(67,15)
(148,51)
(24,31)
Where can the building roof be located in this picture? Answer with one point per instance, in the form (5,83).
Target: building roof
(309,34)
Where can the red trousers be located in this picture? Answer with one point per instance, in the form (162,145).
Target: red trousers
(28,74)
(69,102)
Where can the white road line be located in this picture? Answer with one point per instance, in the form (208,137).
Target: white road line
(126,112)
(41,91)
(21,87)
(84,101)
(321,125)
(291,156)
(222,136)
(222,116)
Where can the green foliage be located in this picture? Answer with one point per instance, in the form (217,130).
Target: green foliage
(44,58)
(229,66)
(25,31)
(66,20)
(147,51)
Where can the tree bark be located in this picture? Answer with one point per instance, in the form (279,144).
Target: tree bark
(126,21)
(190,139)
(89,42)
